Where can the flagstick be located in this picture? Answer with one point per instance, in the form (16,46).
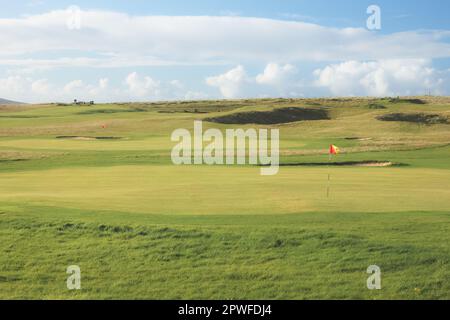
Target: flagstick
(329,175)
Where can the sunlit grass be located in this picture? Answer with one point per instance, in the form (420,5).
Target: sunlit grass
(142,228)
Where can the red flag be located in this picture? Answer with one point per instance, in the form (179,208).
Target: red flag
(334,150)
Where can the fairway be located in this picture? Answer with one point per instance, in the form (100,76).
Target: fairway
(230,190)
(95,186)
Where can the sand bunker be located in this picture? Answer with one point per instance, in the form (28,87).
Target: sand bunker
(343,164)
(358,139)
(420,118)
(276,116)
(87,138)
(374,164)
(13,160)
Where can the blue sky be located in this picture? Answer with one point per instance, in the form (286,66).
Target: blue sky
(166,50)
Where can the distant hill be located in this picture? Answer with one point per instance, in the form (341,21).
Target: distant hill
(5,101)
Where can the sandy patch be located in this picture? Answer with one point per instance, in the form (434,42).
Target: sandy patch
(87,138)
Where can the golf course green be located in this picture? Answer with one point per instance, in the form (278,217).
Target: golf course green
(95,186)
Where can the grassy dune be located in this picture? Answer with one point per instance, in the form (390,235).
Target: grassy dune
(140,227)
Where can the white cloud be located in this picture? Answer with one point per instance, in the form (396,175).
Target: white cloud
(103,83)
(144,87)
(276,75)
(74,86)
(26,89)
(279,81)
(78,89)
(100,91)
(134,88)
(13,86)
(172,40)
(276,80)
(351,78)
(354,61)
(230,83)
(41,87)
(177,84)
(381,78)
(195,95)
